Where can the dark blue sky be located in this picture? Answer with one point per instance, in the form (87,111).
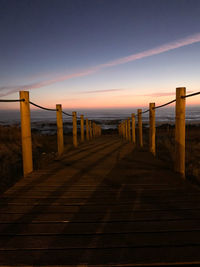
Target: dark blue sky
(42,40)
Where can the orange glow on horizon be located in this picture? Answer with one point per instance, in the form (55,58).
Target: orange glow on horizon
(102,101)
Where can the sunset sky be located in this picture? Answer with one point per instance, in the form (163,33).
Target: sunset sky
(99,53)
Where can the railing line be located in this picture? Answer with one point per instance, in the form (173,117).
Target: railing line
(145,111)
(38,106)
(170,102)
(51,109)
(163,105)
(12,100)
(67,114)
(166,104)
(197,93)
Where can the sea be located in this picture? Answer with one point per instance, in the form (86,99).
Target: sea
(45,121)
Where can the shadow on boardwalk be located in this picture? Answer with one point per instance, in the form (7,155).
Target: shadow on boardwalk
(104,203)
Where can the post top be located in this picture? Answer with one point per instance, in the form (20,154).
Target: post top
(24,93)
(180,91)
(152,104)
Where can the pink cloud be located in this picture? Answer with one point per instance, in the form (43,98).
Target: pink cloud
(164,94)
(12,89)
(155,51)
(102,91)
(147,53)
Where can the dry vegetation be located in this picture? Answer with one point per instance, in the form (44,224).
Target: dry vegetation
(165,149)
(44,149)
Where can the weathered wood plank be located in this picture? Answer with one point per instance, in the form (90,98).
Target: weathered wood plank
(101,204)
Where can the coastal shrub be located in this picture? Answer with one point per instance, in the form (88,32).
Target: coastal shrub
(44,149)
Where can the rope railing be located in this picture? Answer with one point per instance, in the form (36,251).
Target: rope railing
(44,108)
(38,106)
(48,109)
(170,102)
(67,114)
(11,100)
(124,128)
(145,111)
(197,93)
(164,105)
(34,104)
(51,109)
(88,128)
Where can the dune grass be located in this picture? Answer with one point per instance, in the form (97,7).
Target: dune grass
(165,136)
(44,148)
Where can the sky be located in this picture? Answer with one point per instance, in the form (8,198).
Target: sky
(99,53)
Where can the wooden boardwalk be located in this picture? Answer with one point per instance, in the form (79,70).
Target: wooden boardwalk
(102,204)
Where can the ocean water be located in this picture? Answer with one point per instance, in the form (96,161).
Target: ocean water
(106,117)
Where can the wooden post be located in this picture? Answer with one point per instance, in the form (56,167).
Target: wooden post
(90,126)
(180,131)
(87,130)
(82,129)
(93,130)
(75,142)
(26,133)
(152,129)
(133,127)
(97,130)
(129,129)
(120,129)
(140,127)
(126,128)
(60,141)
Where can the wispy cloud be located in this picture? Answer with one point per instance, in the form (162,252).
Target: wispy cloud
(7,90)
(156,94)
(102,91)
(147,53)
(155,51)
(163,94)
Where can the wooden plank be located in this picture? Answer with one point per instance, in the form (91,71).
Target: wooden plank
(128,204)
(85,208)
(75,228)
(101,240)
(95,217)
(156,255)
